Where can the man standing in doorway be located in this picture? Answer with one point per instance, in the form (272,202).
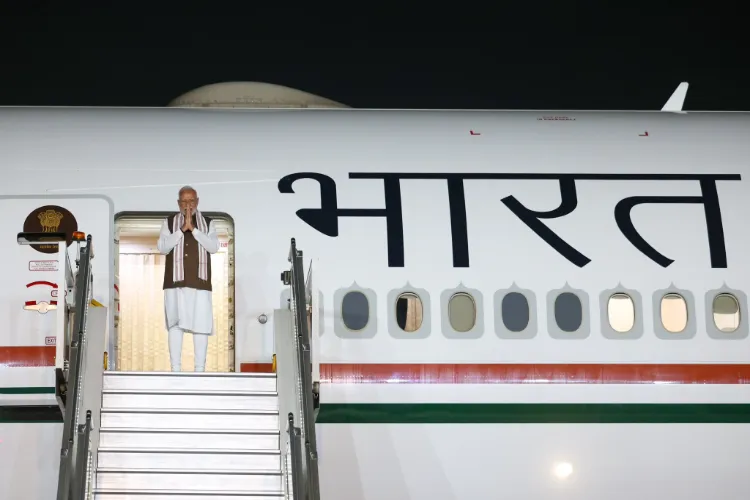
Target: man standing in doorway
(187,239)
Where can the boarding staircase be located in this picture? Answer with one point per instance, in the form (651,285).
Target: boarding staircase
(153,435)
(188,435)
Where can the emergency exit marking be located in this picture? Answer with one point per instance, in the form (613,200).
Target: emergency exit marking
(50,340)
(43,265)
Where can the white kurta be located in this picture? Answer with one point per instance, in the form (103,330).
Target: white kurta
(188,308)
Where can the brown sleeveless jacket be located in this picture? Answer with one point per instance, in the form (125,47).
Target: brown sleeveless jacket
(190,260)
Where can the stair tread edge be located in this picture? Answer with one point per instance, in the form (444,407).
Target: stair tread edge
(187,451)
(187,492)
(230,472)
(212,411)
(201,392)
(187,430)
(238,375)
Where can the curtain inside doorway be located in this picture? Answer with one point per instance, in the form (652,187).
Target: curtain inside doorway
(142,340)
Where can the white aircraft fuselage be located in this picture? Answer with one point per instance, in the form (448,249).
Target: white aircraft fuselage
(499,207)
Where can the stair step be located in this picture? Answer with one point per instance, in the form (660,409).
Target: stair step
(120,494)
(175,458)
(192,400)
(188,439)
(138,381)
(190,419)
(188,480)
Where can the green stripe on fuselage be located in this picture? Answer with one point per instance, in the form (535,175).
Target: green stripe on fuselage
(584,413)
(27,390)
(29,413)
(33,414)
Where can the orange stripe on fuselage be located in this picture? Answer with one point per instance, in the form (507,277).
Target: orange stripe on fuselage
(435,373)
(344,373)
(27,355)
(256,367)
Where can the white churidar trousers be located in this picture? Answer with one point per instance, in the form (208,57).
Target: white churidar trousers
(200,345)
(188,310)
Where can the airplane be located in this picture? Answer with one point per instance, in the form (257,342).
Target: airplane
(507,304)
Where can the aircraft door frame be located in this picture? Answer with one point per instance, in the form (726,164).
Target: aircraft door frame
(159,215)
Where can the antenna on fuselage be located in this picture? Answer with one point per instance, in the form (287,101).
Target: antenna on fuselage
(676,101)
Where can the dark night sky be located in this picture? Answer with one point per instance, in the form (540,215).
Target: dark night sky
(549,55)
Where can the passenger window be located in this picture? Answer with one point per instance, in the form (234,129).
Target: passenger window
(514,310)
(621,312)
(674,313)
(355,311)
(726,311)
(462,312)
(409,312)
(568,312)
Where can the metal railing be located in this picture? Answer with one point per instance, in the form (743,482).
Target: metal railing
(73,477)
(302,441)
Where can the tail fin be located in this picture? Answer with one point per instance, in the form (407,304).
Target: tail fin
(675,102)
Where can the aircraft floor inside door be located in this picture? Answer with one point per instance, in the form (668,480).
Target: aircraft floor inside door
(30,422)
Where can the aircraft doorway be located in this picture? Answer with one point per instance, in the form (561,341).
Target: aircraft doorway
(140,341)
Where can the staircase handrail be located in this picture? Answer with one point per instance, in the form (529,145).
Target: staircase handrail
(70,469)
(302,344)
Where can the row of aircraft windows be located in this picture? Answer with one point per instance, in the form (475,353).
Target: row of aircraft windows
(621,314)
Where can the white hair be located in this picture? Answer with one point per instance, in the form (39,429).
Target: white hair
(184,189)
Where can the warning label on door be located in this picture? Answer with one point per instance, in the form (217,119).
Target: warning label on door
(50,340)
(43,265)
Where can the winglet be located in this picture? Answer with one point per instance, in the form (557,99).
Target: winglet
(675,102)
